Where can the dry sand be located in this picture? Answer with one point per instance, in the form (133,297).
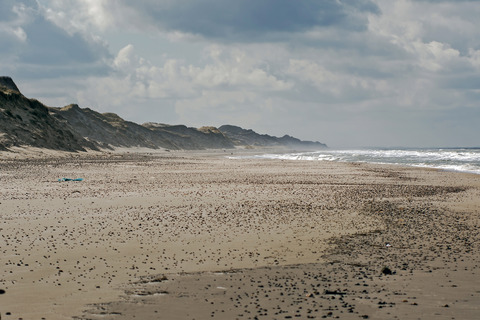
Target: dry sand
(196,236)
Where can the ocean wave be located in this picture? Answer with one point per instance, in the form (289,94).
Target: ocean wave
(452,159)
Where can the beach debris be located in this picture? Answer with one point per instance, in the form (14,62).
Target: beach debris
(159,279)
(335,292)
(154,279)
(387,271)
(69,179)
(143,292)
(388,245)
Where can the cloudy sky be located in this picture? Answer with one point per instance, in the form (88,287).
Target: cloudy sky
(344,72)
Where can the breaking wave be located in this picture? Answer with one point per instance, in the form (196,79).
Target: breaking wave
(451,159)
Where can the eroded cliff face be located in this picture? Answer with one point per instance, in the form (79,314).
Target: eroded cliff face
(249,137)
(28,122)
(6,83)
(189,138)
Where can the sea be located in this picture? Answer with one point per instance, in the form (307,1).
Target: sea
(449,159)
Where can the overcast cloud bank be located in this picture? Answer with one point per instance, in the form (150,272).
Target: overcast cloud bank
(349,73)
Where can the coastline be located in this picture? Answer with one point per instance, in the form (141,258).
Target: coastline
(187,216)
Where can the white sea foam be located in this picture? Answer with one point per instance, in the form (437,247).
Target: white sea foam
(458,159)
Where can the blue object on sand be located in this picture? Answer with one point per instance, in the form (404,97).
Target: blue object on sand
(69,179)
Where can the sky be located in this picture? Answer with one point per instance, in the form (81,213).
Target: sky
(348,73)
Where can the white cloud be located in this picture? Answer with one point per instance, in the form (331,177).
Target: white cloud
(435,56)
(18,16)
(474,56)
(311,72)
(428,31)
(15,33)
(20,34)
(126,60)
(234,68)
(226,80)
(79,16)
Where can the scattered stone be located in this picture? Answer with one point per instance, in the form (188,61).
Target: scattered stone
(159,279)
(387,271)
(335,292)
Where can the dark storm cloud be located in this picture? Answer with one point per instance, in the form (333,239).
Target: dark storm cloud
(48,44)
(251,20)
(39,46)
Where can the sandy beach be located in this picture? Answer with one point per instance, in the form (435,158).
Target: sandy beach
(184,235)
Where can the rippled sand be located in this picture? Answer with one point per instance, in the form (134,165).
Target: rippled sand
(190,235)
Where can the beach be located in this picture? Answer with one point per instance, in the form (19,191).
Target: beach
(196,235)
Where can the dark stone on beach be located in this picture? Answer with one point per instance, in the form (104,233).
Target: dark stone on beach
(2,291)
(335,292)
(159,279)
(386,271)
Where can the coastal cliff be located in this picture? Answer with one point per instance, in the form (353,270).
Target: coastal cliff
(28,122)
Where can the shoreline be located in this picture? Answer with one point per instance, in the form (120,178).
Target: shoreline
(237,153)
(126,217)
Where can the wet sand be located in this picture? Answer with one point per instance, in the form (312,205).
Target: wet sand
(196,236)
